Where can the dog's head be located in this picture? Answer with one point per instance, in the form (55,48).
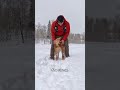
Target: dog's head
(57,41)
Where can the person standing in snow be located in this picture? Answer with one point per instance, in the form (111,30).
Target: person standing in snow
(60,28)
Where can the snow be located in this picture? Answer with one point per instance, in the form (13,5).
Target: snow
(68,74)
(102,65)
(17,66)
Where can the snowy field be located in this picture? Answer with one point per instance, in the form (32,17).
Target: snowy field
(102,70)
(60,75)
(16,66)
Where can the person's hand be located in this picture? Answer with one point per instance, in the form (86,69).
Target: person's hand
(62,41)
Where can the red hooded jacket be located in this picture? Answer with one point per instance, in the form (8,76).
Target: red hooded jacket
(60,31)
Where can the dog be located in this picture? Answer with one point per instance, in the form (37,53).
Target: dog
(58,46)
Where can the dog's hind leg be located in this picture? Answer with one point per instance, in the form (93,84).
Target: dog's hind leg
(63,53)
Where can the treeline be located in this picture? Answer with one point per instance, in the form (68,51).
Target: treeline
(77,38)
(42,33)
(16,20)
(103,29)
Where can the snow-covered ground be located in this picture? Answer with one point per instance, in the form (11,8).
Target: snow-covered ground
(16,66)
(60,75)
(102,69)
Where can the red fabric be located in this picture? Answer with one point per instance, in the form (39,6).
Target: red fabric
(60,31)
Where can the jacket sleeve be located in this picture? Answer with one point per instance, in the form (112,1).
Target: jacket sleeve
(52,32)
(67,32)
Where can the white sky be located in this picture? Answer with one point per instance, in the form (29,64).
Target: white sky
(73,10)
(105,8)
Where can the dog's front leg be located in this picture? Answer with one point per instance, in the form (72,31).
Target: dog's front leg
(63,56)
(57,56)
(54,55)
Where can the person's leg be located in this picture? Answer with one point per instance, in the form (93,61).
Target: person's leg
(52,51)
(66,48)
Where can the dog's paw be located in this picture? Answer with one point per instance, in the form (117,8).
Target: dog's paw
(63,57)
(57,58)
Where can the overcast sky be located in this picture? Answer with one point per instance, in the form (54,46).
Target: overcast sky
(73,10)
(102,8)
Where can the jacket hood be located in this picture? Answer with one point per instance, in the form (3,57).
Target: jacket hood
(60,16)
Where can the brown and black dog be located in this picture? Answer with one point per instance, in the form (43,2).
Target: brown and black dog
(58,46)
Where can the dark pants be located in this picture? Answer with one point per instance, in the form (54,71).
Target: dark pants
(66,49)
